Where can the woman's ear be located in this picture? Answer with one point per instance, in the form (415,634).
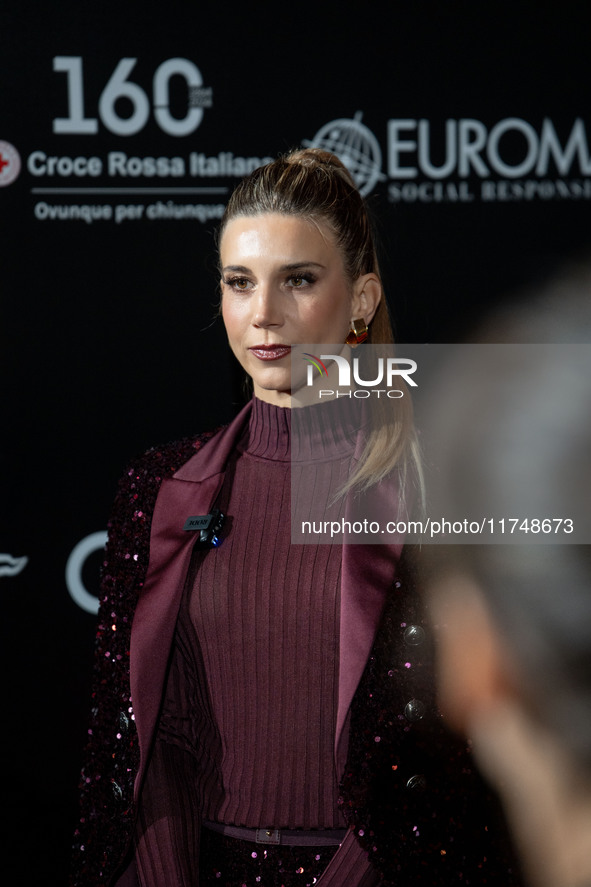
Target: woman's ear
(367,292)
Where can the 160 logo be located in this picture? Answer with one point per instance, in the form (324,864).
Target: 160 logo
(120,87)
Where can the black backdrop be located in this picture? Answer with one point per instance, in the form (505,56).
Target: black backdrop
(109,330)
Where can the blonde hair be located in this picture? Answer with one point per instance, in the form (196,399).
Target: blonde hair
(315,185)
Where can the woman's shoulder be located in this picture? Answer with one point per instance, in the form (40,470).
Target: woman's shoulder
(140,482)
(159,462)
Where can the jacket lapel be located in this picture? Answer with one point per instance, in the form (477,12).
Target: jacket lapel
(191,491)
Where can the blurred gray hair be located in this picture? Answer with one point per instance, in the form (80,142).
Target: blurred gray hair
(521,432)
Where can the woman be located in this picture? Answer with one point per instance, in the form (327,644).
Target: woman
(244,659)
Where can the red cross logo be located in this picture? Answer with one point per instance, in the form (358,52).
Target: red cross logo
(10,163)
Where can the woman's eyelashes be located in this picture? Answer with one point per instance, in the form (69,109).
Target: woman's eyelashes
(293,281)
(240,284)
(299,281)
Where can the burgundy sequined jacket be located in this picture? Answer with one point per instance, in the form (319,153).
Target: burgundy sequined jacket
(408,791)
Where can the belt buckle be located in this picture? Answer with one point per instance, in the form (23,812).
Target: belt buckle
(268,836)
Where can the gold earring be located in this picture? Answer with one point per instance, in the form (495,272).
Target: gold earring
(357,333)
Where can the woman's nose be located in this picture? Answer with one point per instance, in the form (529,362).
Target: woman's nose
(267,308)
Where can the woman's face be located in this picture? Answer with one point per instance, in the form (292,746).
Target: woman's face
(283,283)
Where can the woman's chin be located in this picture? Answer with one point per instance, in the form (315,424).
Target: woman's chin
(274,397)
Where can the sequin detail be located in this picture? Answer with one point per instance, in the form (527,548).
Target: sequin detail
(111,757)
(411,796)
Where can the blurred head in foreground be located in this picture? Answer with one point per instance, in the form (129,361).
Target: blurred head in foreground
(513,621)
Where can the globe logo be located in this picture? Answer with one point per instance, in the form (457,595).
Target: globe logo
(356,146)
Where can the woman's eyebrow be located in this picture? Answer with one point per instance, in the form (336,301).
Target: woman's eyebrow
(295,266)
(239,269)
(289,266)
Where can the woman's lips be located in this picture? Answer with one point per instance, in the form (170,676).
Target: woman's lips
(271,352)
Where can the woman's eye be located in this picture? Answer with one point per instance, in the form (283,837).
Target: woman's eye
(238,283)
(300,280)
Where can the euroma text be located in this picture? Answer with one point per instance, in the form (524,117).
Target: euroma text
(360,393)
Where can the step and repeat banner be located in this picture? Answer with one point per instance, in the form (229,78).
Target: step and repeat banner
(122,132)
